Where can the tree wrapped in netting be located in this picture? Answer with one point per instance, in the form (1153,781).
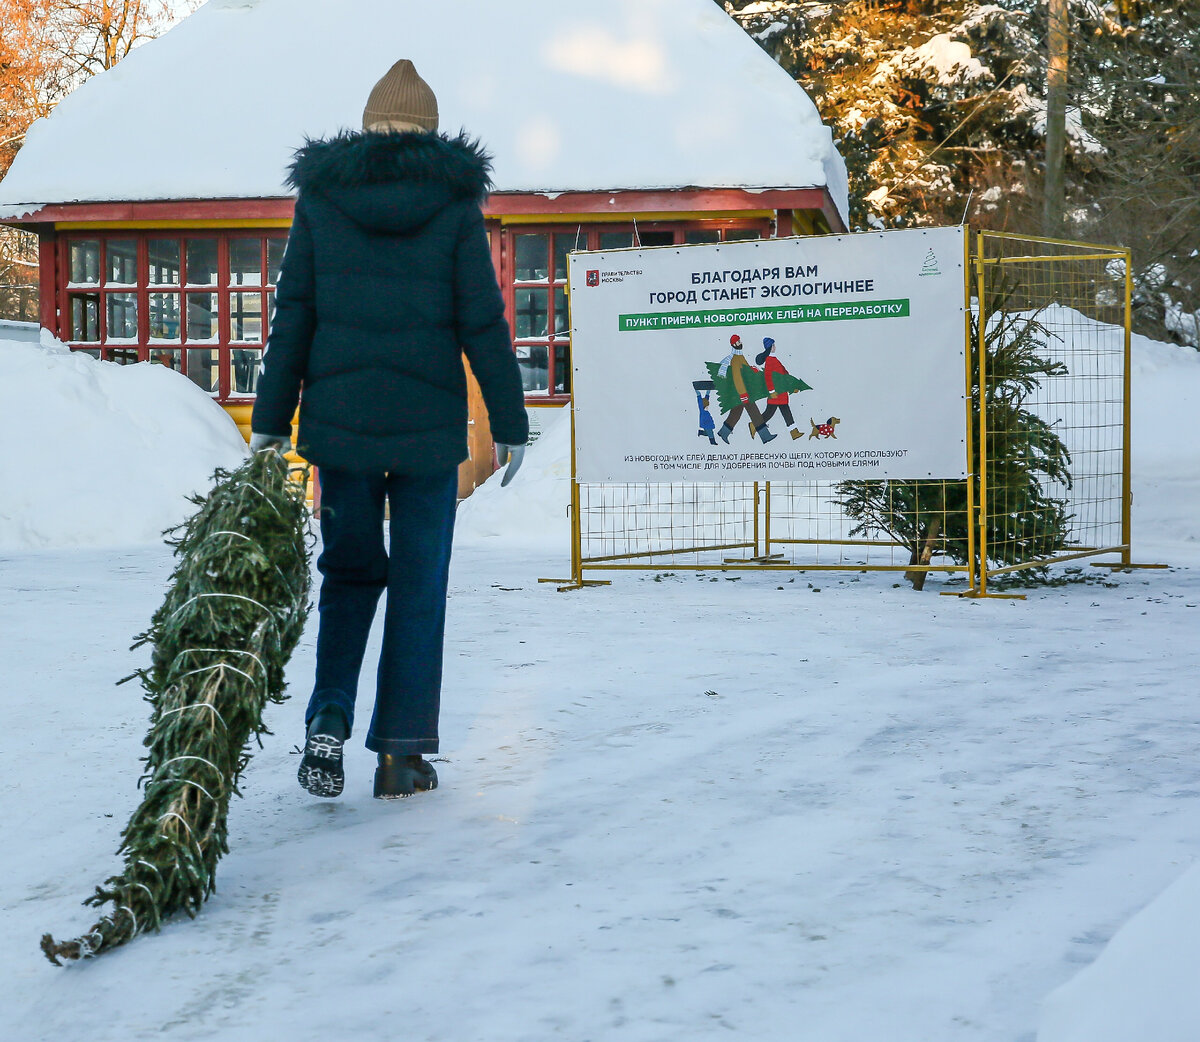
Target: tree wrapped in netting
(235,607)
(1025,459)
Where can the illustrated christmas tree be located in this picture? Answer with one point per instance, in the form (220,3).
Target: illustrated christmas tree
(755,382)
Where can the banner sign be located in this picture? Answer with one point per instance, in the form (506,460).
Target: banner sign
(801,359)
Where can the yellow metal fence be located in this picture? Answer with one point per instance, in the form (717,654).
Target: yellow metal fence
(1047,391)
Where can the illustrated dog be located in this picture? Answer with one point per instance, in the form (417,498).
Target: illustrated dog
(824,430)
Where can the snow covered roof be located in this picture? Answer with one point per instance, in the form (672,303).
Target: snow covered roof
(612,94)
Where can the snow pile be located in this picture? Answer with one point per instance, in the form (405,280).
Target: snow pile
(100,454)
(532,510)
(1145,984)
(646,94)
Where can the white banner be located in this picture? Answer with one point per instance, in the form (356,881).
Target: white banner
(801,359)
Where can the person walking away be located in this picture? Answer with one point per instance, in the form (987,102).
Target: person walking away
(387,281)
(777,401)
(736,365)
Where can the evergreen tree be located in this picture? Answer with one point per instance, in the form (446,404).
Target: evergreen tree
(1024,455)
(939,110)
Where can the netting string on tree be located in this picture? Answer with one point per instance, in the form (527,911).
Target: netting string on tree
(235,608)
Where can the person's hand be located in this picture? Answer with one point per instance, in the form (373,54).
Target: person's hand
(512,456)
(281,443)
(745,398)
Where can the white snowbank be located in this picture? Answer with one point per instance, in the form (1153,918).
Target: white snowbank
(601,96)
(1146,982)
(532,510)
(100,454)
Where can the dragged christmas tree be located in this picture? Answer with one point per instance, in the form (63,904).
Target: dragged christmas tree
(236,606)
(1025,457)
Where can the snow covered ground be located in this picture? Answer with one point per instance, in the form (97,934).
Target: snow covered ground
(697,807)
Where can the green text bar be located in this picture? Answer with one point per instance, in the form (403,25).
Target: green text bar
(852,309)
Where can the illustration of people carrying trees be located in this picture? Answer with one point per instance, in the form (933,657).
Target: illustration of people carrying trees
(739,386)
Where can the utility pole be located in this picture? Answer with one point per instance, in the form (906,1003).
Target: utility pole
(1056,117)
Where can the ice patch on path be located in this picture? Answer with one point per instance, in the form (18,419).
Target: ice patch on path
(1144,985)
(532,511)
(99,454)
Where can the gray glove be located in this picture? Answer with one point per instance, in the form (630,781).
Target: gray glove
(512,455)
(281,443)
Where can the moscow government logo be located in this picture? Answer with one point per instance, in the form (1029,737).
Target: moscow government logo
(593,278)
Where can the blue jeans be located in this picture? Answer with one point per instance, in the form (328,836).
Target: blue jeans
(355,570)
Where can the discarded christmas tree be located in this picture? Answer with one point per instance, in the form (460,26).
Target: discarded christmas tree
(236,606)
(1026,459)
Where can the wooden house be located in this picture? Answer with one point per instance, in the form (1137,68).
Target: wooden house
(157,189)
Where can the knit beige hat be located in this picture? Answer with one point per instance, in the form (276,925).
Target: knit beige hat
(401,101)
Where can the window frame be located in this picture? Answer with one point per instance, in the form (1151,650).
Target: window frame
(142,348)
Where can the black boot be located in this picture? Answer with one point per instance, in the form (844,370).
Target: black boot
(321,769)
(399,776)
(724,432)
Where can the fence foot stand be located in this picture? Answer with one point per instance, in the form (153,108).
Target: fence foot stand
(566,585)
(1120,566)
(761,559)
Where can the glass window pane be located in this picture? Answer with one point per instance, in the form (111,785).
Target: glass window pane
(738,234)
(531,312)
(202,262)
(561,323)
(564,244)
(171,357)
(245,262)
(201,316)
(85,262)
(164,316)
(532,257)
(275,248)
(203,368)
(122,316)
(698,235)
(246,364)
(122,261)
(657,238)
(245,317)
(164,261)
(93,351)
(615,240)
(85,317)
(562,367)
(534,362)
(121,355)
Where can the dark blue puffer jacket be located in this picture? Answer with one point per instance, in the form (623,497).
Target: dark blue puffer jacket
(386,283)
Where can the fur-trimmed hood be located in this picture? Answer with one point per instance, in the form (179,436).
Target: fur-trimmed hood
(392,182)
